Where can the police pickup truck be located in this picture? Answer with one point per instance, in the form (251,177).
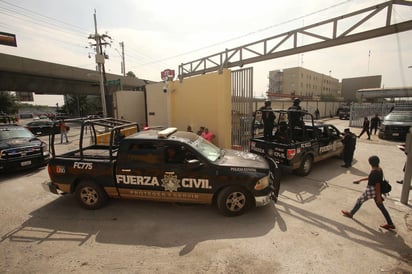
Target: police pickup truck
(159,165)
(295,142)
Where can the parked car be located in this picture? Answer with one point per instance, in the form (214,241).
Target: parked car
(344,113)
(42,127)
(396,125)
(20,149)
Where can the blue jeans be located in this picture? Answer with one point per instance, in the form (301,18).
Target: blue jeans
(380,206)
(61,137)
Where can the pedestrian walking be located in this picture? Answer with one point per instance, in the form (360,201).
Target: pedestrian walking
(365,128)
(63,132)
(349,145)
(372,191)
(375,123)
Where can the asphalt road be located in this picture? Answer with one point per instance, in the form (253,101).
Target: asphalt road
(303,233)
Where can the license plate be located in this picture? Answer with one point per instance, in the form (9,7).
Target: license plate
(25,163)
(395,134)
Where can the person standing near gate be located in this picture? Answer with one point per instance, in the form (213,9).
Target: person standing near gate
(365,128)
(375,123)
(317,113)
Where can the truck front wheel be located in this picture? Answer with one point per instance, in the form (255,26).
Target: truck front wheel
(91,195)
(306,165)
(233,201)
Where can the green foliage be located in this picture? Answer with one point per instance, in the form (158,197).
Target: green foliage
(82,105)
(328,97)
(8,103)
(131,74)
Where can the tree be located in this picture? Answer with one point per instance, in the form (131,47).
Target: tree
(8,103)
(327,97)
(131,74)
(82,105)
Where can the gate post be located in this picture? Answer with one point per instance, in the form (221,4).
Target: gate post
(406,187)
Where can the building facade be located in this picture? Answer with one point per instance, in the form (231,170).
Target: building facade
(301,82)
(351,85)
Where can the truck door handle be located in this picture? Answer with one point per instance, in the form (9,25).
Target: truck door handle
(126,170)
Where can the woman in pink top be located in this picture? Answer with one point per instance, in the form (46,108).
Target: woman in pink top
(208,135)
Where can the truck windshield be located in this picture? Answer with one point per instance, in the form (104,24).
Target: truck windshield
(12,133)
(399,117)
(207,149)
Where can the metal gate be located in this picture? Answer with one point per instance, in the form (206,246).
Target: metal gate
(359,111)
(242,107)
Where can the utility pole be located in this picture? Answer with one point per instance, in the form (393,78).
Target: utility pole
(100,57)
(123,63)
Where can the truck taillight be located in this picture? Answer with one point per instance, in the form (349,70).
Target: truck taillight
(291,153)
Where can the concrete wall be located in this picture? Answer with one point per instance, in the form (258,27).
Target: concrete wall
(204,101)
(130,105)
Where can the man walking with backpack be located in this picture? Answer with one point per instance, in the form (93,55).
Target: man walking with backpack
(372,191)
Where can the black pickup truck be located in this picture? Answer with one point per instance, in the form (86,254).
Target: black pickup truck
(159,165)
(296,148)
(19,148)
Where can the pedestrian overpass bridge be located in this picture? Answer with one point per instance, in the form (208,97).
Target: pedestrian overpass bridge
(28,75)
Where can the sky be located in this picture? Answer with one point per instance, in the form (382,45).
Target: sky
(160,34)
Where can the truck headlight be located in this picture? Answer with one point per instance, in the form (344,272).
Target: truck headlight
(45,149)
(262,183)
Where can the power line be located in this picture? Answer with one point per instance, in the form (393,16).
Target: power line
(252,33)
(78,28)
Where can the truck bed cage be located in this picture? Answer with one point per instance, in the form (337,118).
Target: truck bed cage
(105,134)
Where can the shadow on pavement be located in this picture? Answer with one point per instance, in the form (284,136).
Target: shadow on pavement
(130,222)
(381,240)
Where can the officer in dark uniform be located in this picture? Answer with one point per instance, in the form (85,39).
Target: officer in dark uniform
(349,144)
(294,114)
(268,118)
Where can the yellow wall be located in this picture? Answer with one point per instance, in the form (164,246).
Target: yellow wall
(203,101)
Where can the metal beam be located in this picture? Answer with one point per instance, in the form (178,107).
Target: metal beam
(385,92)
(270,47)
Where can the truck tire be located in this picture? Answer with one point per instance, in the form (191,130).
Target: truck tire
(233,201)
(306,165)
(90,195)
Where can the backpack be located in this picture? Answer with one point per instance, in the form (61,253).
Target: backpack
(385,187)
